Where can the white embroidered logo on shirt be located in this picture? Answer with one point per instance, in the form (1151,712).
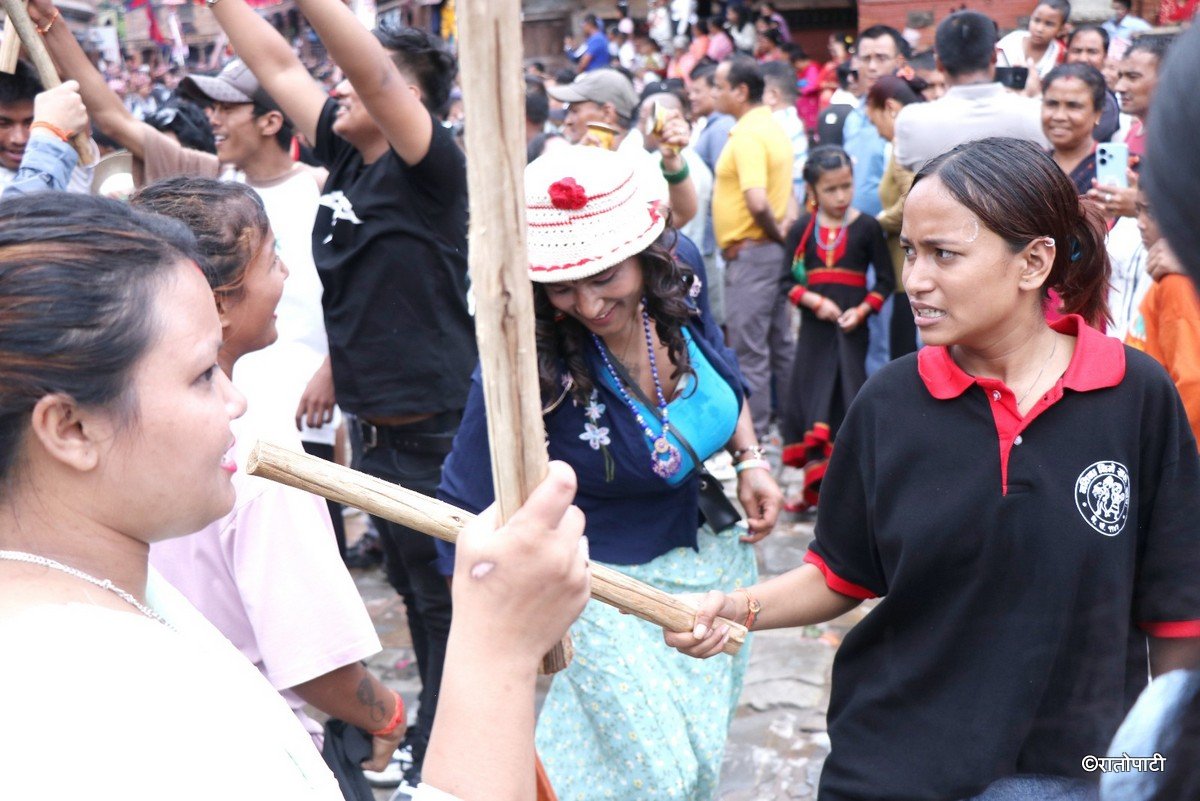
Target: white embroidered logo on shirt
(342,208)
(1102,496)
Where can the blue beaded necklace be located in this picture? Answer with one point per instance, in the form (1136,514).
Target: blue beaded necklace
(665,458)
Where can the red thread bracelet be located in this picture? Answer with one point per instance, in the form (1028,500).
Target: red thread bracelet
(397,719)
(52,128)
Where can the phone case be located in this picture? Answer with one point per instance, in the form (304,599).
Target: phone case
(1112,160)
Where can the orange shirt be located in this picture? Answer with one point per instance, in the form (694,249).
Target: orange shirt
(1168,328)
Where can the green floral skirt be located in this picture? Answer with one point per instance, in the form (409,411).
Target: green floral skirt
(633,719)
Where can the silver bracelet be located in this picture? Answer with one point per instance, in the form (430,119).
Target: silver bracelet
(753,451)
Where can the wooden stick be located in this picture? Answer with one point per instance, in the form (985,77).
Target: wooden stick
(10,48)
(18,16)
(493,87)
(439,519)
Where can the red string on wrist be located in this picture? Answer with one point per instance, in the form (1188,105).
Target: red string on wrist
(397,720)
(52,128)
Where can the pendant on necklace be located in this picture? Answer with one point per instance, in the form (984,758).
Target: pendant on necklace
(666,458)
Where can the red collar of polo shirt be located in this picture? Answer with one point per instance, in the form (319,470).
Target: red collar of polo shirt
(1098,363)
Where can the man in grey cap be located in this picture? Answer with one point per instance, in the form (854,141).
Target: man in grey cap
(603,95)
(607,96)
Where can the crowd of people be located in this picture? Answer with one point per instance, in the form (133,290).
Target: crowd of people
(845,271)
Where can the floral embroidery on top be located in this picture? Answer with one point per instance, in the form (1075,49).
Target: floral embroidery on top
(594,409)
(597,435)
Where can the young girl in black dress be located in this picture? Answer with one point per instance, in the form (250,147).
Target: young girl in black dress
(830,249)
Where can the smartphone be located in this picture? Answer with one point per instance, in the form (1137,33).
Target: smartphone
(1012,77)
(1112,160)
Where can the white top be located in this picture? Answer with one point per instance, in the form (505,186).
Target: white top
(1129,282)
(178,714)
(789,119)
(649,171)
(1012,53)
(844,97)
(274,378)
(976,111)
(269,577)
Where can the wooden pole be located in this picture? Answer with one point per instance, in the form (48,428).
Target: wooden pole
(18,17)
(10,48)
(493,89)
(439,519)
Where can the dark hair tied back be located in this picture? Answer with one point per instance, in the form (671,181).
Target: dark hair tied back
(823,159)
(78,282)
(1019,193)
(226,217)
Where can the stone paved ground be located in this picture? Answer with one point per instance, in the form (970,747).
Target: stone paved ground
(778,741)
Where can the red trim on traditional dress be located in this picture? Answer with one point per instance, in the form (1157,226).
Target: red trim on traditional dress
(835,275)
(796,293)
(839,250)
(875,301)
(836,582)
(813,475)
(793,455)
(1174,629)
(799,454)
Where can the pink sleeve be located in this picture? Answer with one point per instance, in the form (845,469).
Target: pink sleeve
(307,615)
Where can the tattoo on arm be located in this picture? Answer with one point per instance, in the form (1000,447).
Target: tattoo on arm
(366,696)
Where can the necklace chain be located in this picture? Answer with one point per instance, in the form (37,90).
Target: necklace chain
(1038,377)
(831,244)
(665,457)
(104,584)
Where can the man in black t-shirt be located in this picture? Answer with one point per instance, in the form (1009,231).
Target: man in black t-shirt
(390,245)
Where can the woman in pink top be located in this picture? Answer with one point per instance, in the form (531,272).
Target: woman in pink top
(720,46)
(253,572)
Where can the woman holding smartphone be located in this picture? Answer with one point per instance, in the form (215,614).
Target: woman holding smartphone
(1072,104)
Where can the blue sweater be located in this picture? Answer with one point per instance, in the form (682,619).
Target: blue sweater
(632,514)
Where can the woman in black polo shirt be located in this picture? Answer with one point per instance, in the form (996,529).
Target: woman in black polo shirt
(1017,494)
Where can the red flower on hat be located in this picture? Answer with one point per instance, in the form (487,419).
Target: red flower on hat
(567,194)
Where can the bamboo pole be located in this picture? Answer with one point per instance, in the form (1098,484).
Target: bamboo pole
(439,519)
(18,16)
(494,90)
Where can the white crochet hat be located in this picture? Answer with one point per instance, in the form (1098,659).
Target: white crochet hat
(586,210)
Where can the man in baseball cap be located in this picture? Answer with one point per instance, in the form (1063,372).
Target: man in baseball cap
(603,95)
(244,118)
(232,85)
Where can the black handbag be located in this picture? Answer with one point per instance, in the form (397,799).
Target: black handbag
(718,511)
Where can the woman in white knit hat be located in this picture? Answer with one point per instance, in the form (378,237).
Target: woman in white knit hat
(639,390)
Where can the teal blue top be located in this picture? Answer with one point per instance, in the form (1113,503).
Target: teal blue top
(705,411)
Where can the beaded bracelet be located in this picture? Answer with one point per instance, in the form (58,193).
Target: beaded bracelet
(398,718)
(750,464)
